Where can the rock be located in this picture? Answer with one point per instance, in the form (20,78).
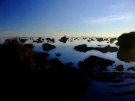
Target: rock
(23,40)
(92,39)
(100,39)
(84,48)
(106,49)
(50,40)
(58,54)
(30,46)
(120,68)
(88,40)
(48,47)
(126,43)
(39,40)
(63,39)
(106,39)
(112,40)
(131,68)
(95,63)
(99,45)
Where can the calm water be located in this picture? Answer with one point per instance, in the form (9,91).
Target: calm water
(68,54)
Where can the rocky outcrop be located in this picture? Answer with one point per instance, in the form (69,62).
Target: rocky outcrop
(94,63)
(50,40)
(39,40)
(100,39)
(112,40)
(55,79)
(84,48)
(131,68)
(126,43)
(58,54)
(63,39)
(48,47)
(30,46)
(120,68)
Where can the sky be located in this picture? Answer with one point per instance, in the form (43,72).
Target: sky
(66,17)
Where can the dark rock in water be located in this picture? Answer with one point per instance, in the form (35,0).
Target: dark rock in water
(23,40)
(106,39)
(58,54)
(48,47)
(132,68)
(106,49)
(50,40)
(88,40)
(127,47)
(84,48)
(100,39)
(94,63)
(112,40)
(71,41)
(120,68)
(92,39)
(39,40)
(30,46)
(63,39)
(99,45)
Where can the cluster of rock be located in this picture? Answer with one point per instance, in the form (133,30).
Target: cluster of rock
(84,48)
(56,79)
(49,40)
(39,40)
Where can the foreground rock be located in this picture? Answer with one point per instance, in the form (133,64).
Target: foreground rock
(57,80)
(120,68)
(84,48)
(127,47)
(30,46)
(48,47)
(94,63)
(63,39)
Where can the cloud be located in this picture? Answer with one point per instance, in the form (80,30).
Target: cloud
(126,16)
(123,4)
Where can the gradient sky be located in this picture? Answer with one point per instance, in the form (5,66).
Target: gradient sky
(67,17)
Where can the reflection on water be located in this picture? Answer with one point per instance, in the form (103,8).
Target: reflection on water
(127,47)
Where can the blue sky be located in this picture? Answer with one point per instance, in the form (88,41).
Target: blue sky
(67,17)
